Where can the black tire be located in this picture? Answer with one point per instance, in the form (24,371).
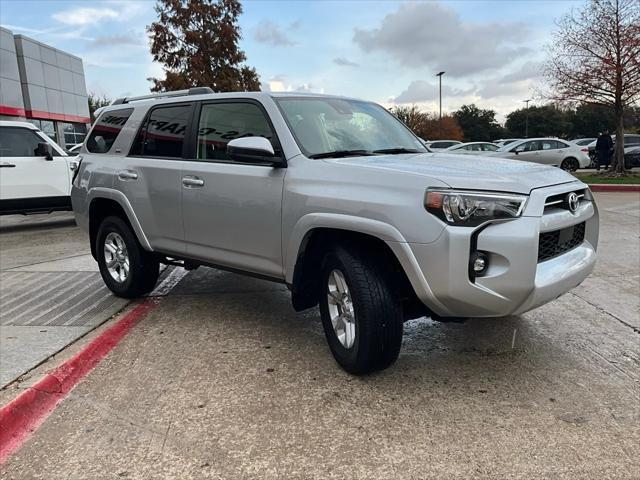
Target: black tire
(570,165)
(144,269)
(377,312)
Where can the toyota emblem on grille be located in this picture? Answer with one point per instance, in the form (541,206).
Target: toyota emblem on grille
(572,202)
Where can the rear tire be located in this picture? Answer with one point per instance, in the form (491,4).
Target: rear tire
(126,268)
(371,337)
(569,165)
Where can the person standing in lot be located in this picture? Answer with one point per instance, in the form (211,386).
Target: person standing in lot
(604,145)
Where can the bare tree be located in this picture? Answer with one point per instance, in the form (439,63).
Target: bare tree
(595,58)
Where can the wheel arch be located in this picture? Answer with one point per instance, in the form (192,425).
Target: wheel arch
(374,236)
(105,202)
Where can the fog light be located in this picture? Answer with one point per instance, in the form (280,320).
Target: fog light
(479,263)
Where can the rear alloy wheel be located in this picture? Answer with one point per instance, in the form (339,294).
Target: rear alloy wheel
(569,165)
(116,257)
(361,317)
(126,268)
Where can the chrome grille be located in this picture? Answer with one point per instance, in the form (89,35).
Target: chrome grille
(559,200)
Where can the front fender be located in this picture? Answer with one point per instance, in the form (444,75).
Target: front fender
(311,221)
(383,231)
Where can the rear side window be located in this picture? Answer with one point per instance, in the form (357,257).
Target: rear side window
(163,132)
(443,144)
(106,130)
(222,122)
(19,142)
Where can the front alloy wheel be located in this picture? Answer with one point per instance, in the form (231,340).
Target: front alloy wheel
(361,317)
(341,310)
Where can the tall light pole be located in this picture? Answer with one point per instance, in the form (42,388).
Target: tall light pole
(439,75)
(526,118)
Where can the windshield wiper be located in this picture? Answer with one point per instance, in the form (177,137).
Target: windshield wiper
(341,153)
(397,150)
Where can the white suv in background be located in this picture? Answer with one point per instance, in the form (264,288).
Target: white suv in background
(36,173)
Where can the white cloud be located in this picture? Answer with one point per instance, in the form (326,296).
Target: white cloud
(432,35)
(85,16)
(421,91)
(271,34)
(279,83)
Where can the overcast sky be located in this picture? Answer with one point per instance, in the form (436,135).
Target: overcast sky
(385,51)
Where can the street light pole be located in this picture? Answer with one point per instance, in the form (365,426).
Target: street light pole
(439,75)
(526,119)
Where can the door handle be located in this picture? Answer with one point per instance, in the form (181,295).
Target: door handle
(192,182)
(7,165)
(127,175)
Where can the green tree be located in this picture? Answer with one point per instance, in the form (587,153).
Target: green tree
(478,124)
(197,42)
(589,120)
(95,102)
(544,121)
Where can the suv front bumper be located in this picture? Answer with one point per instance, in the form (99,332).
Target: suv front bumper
(515,281)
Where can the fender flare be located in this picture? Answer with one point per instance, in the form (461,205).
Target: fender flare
(120,198)
(381,230)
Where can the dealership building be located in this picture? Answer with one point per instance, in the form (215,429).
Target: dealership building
(44,86)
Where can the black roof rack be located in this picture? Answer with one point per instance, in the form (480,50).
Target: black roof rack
(156,96)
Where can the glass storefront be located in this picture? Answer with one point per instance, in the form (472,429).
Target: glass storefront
(74,133)
(47,126)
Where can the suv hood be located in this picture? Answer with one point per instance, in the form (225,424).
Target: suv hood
(468,171)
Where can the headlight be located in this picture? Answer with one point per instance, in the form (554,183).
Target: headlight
(469,209)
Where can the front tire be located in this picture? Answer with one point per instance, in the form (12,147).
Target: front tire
(361,317)
(126,268)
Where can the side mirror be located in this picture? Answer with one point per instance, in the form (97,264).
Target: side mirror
(254,150)
(44,150)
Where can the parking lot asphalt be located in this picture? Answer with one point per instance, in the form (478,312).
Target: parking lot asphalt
(224,380)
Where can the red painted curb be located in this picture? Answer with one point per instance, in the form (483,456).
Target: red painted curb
(25,413)
(607,187)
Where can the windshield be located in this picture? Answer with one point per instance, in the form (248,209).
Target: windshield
(333,127)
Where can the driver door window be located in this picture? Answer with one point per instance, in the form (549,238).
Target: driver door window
(223,122)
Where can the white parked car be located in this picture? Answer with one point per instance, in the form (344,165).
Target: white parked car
(548,151)
(36,172)
(441,145)
(506,141)
(472,148)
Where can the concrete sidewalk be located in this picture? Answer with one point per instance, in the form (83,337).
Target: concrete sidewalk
(224,380)
(51,292)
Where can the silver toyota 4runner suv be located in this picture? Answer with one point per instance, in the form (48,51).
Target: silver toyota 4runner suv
(335,198)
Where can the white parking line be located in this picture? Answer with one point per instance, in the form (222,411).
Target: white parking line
(169,282)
